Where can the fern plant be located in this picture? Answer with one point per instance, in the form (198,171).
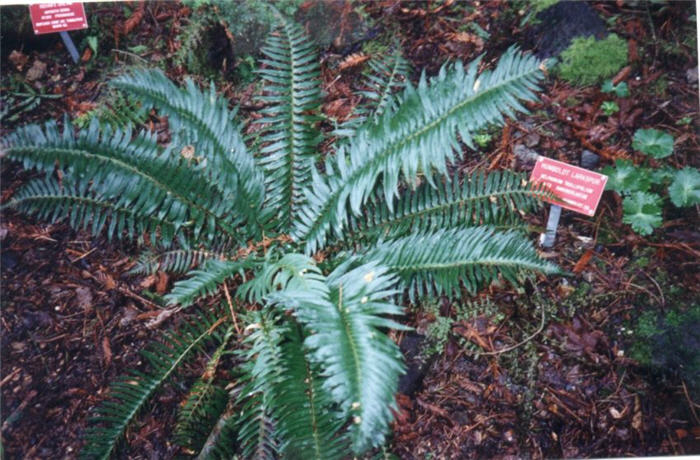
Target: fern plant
(318,258)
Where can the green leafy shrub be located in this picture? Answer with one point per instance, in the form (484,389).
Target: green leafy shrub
(312,372)
(588,61)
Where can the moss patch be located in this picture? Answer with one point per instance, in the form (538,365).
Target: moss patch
(588,61)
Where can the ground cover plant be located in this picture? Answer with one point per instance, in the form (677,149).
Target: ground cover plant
(638,183)
(320,258)
(588,61)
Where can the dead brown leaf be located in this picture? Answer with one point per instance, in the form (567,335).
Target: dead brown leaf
(162,283)
(106,351)
(353,60)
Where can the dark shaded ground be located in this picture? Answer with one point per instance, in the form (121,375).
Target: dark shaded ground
(72,318)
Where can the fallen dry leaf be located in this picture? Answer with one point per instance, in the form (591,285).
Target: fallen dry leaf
(106,350)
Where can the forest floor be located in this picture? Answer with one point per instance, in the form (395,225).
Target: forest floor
(549,369)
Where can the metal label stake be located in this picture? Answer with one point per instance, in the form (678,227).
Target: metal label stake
(547,238)
(70,46)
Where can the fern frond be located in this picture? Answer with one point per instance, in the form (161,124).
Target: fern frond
(308,421)
(132,172)
(204,405)
(386,76)
(205,122)
(419,138)
(177,261)
(437,262)
(261,373)
(290,137)
(48,200)
(207,280)
(115,109)
(360,363)
(221,443)
(134,390)
(277,275)
(497,199)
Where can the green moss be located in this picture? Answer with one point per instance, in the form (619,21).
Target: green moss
(588,61)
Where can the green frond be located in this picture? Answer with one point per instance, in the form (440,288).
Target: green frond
(498,199)
(419,138)
(296,269)
(361,365)
(115,109)
(204,404)
(204,122)
(132,172)
(129,394)
(207,280)
(177,261)
(221,443)
(261,370)
(48,200)
(290,136)
(435,263)
(387,75)
(308,421)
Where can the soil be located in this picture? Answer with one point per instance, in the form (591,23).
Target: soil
(73,318)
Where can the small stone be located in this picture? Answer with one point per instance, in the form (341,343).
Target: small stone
(532,139)
(525,158)
(589,160)
(691,75)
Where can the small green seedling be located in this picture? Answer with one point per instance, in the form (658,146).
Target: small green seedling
(610,108)
(620,90)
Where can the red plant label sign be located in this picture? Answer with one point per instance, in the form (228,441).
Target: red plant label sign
(579,189)
(57,17)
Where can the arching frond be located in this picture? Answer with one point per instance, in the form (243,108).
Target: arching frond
(261,370)
(499,199)
(204,122)
(173,260)
(129,394)
(132,172)
(360,363)
(308,421)
(290,137)
(48,200)
(277,275)
(221,442)
(207,280)
(387,75)
(204,404)
(420,138)
(439,262)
